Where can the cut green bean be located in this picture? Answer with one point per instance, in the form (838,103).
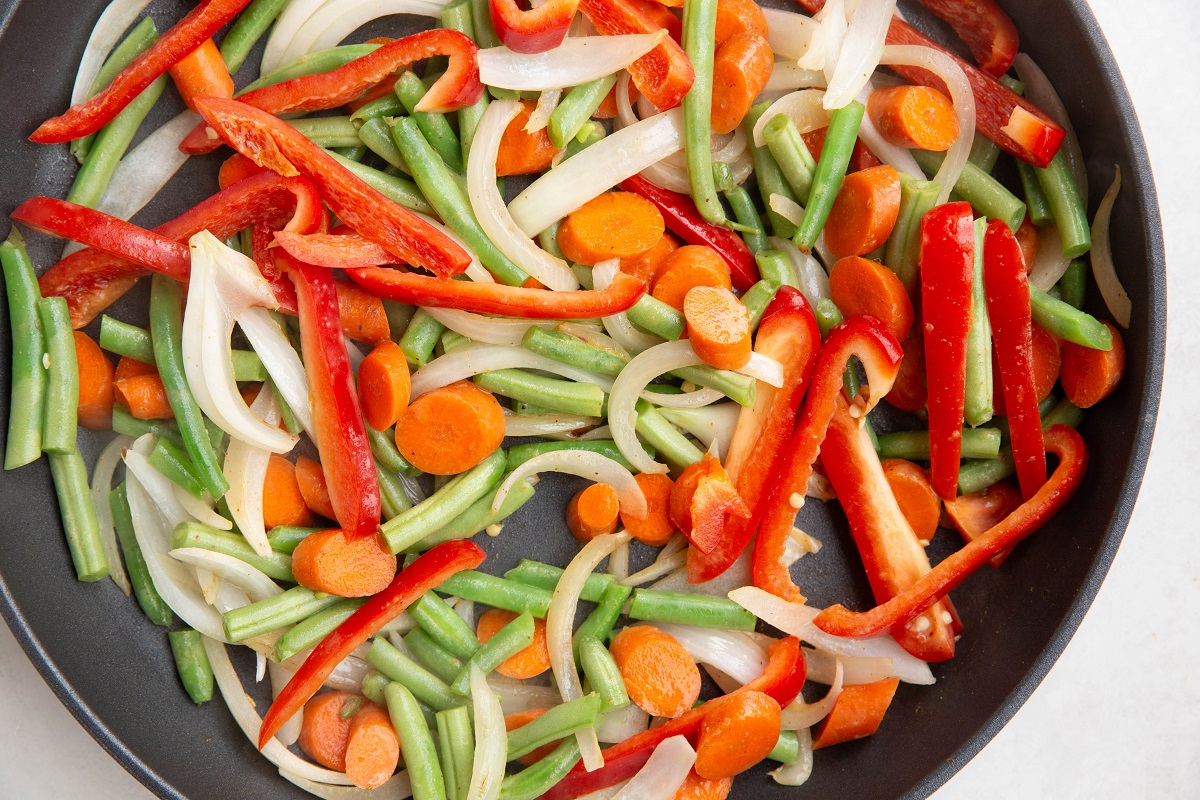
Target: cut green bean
(652,605)
(432,655)
(768,175)
(904,244)
(444,505)
(456,741)
(458,17)
(78,516)
(1067,322)
(568,397)
(567,349)
(373,685)
(452,339)
(600,622)
(699,27)
(27,401)
(249,27)
(383,446)
(791,155)
(268,615)
(1070,213)
(444,626)
(480,587)
(110,145)
(328,132)
(481,20)
(602,673)
(133,342)
(137,42)
(535,781)
(576,108)
(478,516)
(191,662)
(285,539)
(435,127)
(1035,199)
(786,749)
(420,338)
(128,425)
(309,632)
(311,64)
(1064,413)
(556,723)
(387,106)
(547,576)
(977,407)
(672,445)
(737,387)
(393,497)
(152,604)
(1073,284)
(277,566)
(416,742)
(830,172)
(754,234)
(588,135)
(174,464)
(425,686)
(776,267)
(984,153)
(914,445)
(655,316)
(60,417)
(756,299)
(976,475)
(827,314)
(506,643)
(985,194)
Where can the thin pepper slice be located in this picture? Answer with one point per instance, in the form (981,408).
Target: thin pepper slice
(537,30)
(984,27)
(700,500)
(427,572)
(947,259)
(1010,312)
(788,333)
(1072,453)
(664,75)
(333,250)
(173,46)
(683,219)
(876,348)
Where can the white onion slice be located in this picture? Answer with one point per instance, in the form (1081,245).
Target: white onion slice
(516,696)
(897,157)
(398,787)
(618,325)
(619,724)
(665,771)
(806,108)
(1049,264)
(618,562)
(822,668)
(109,28)
(797,771)
(334,21)
(1105,271)
(662,566)
(487,770)
(156,485)
(200,510)
(253,582)
(586,464)
(732,652)
(574,62)
(281,361)
(544,424)
(295,13)
(246,468)
(787,77)
(540,117)
(800,715)
(145,169)
(693,401)
(860,51)
(789,33)
(714,424)
(102,477)
(280,676)
(472,359)
(1042,94)
(786,207)
(825,43)
(814,279)
(489,330)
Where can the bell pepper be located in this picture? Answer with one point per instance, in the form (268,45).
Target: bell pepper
(664,75)
(427,572)
(336,251)
(173,46)
(457,87)
(782,679)
(274,144)
(496,298)
(1007,287)
(788,333)
(537,30)
(947,263)
(683,218)
(984,27)
(1072,453)
(701,498)
(891,554)
(874,345)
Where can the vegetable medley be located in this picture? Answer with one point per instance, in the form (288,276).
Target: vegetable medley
(741,230)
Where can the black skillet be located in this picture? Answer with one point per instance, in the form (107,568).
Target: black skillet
(112,668)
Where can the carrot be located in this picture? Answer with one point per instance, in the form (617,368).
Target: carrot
(914,116)
(95,384)
(856,713)
(860,287)
(282,502)
(139,389)
(737,17)
(690,266)
(974,514)
(737,733)
(915,495)
(909,392)
(528,663)
(864,212)
(718,326)
(1089,376)
(657,527)
(611,225)
(362,314)
(1027,237)
(372,748)
(741,67)
(592,512)
(519,719)
(236,168)
(523,153)
(202,73)
(383,385)
(696,788)
(648,265)
(1047,363)
(311,480)
(449,430)
(662,679)
(324,730)
(329,561)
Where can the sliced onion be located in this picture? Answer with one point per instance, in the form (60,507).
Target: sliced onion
(826,41)
(517,696)
(295,13)
(487,769)
(797,771)
(246,469)
(348,675)
(595,337)
(618,562)
(472,359)
(544,424)
(944,66)
(712,424)
(157,487)
(694,400)
(814,280)
(281,361)
(1114,294)
(145,169)
(280,675)
(665,771)
(806,108)
(540,117)
(109,28)
(586,464)
(822,668)
(491,212)
(787,77)
(732,652)
(619,724)
(662,566)
(786,207)
(1049,264)
(860,52)
(253,582)
(334,21)
(789,34)
(799,715)
(1041,93)
(574,62)
(489,330)
(897,157)
(398,787)
(102,477)
(618,325)
(200,510)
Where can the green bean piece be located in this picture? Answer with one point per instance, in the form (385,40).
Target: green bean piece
(481,20)
(458,16)
(567,349)
(652,605)
(399,190)
(1035,199)
(398,315)
(985,194)
(830,172)
(976,475)
(191,662)
(977,408)
(1065,413)
(1073,284)
(355,153)
(155,609)
(420,338)
(435,127)
(567,397)
(655,316)
(268,615)
(506,643)
(672,445)
(588,135)
(776,267)
(737,387)
(110,145)
(1067,207)
(444,626)
(827,314)
(768,175)
(576,108)
(602,673)
(745,212)
(166,329)
(425,686)
(600,622)
(904,244)
(497,592)
(309,632)
(376,135)
(311,64)
(699,27)
(914,445)
(387,106)
(128,425)
(519,454)
(373,685)
(1067,322)
(137,42)
(984,153)
(547,576)
(478,516)
(284,539)
(444,505)
(791,154)
(786,749)
(452,339)
(534,781)
(757,298)
(80,525)
(393,497)
(174,464)
(60,417)
(416,742)
(383,446)
(277,566)
(27,402)
(556,723)
(456,740)
(247,29)
(432,655)
(328,131)
(126,340)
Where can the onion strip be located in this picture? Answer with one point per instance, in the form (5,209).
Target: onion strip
(487,769)
(110,27)
(576,61)
(798,715)
(246,468)
(585,464)
(102,477)
(334,21)
(1105,271)
(665,771)
(860,52)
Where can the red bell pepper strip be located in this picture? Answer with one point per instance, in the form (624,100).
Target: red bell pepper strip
(427,572)
(345,251)
(1072,453)
(985,28)
(1007,288)
(682,218)
(537,30)
(457,87)
(788,333)
(891,554)
(274,144)
(496,298)
(872,343)
(782,679)
(701,498)
(947,248)
(664,75)
(173,46)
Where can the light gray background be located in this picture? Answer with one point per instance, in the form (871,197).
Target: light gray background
(1119,715)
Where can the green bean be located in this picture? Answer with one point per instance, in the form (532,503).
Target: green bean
(567,349)
(904,244)
(535,781)
(588,135)
(655,316)
(416,742)
(556,723)
(914,445)
(744,211)
(481,20)
(249,27)
(128,425)
(786,749)
(776,267)
(1073,284)
(497,592)
(355,153)
(80,525)
(699,26)
(432,655)
(393,497)
(191,662)
(458,16)
(285,539)
(110,145)
(506,643)
(1035,199)
(977,475)
(478,516)
(147,596)
(689,609)
(383,446)
(373,685)
(268,615)
(398,314)
(978,400)
(444,626)
(309,632)
(791,154)
(387,106)
(435,127)
(27,403)
(277,566)
(420,338)
(768,175)
(757,298)
(827,314)
(174,464)
(575,109)
(984,153)
(547,576)
(602,673)
(133,342)
(600,622)
(137,42)
(568,397)
(311,64)
(672,445)
(985,194)
(1065,413)
(456,741)
(376,134)
(737,387)
(1070,213)
(327,131)
(60,417)
(425,686)
(830,172)
(399,190)
(1067,322)
(444,505)
(452,339)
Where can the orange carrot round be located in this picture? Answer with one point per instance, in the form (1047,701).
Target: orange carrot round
(383,385)
(741,67)
(648,265)
(914,494)
(684,491)
(362,314)
(718,326)
(856,713)
(737,17)
(236,168)
(974,514)
(688,267)
(909,392)
(1027,238)
(662,679)
(592,512)
(330,561)
(696,788)
(202,73)
(611,225)
(914,116)
(1089,376)
(737,733)
(283,504)
(449,430)
(324,730)
(311,480)
(523,153)
(527,663)
(1047,363)
(657,528)
(96,375)
(139,389)
(372,747)
(519,719)
(860,287)
(864,212)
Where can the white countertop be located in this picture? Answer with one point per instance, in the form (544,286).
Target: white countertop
(1119,715)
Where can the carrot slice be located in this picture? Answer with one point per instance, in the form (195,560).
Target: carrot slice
(362,314)
(449,430)
(696,788)
(329,561)
(202,73)
(519,719)
(718,326)
(372,747)
(860,287)
(909,392)
(657,528)
(96,375)
(611,225)
(139,389)
(856,713)
(688,267)
(914,494)
(1027,238)
(324,731)
(741,67)
(527,663)
(523,153)
(914,116)
(975,514)
(593,512)
(647,266)
(1047,364)
(383,385)
(737,17)
(737,733)
(1089,376)
(283,504)
(236,168)
(864,212)
(661,677)
(311,480)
